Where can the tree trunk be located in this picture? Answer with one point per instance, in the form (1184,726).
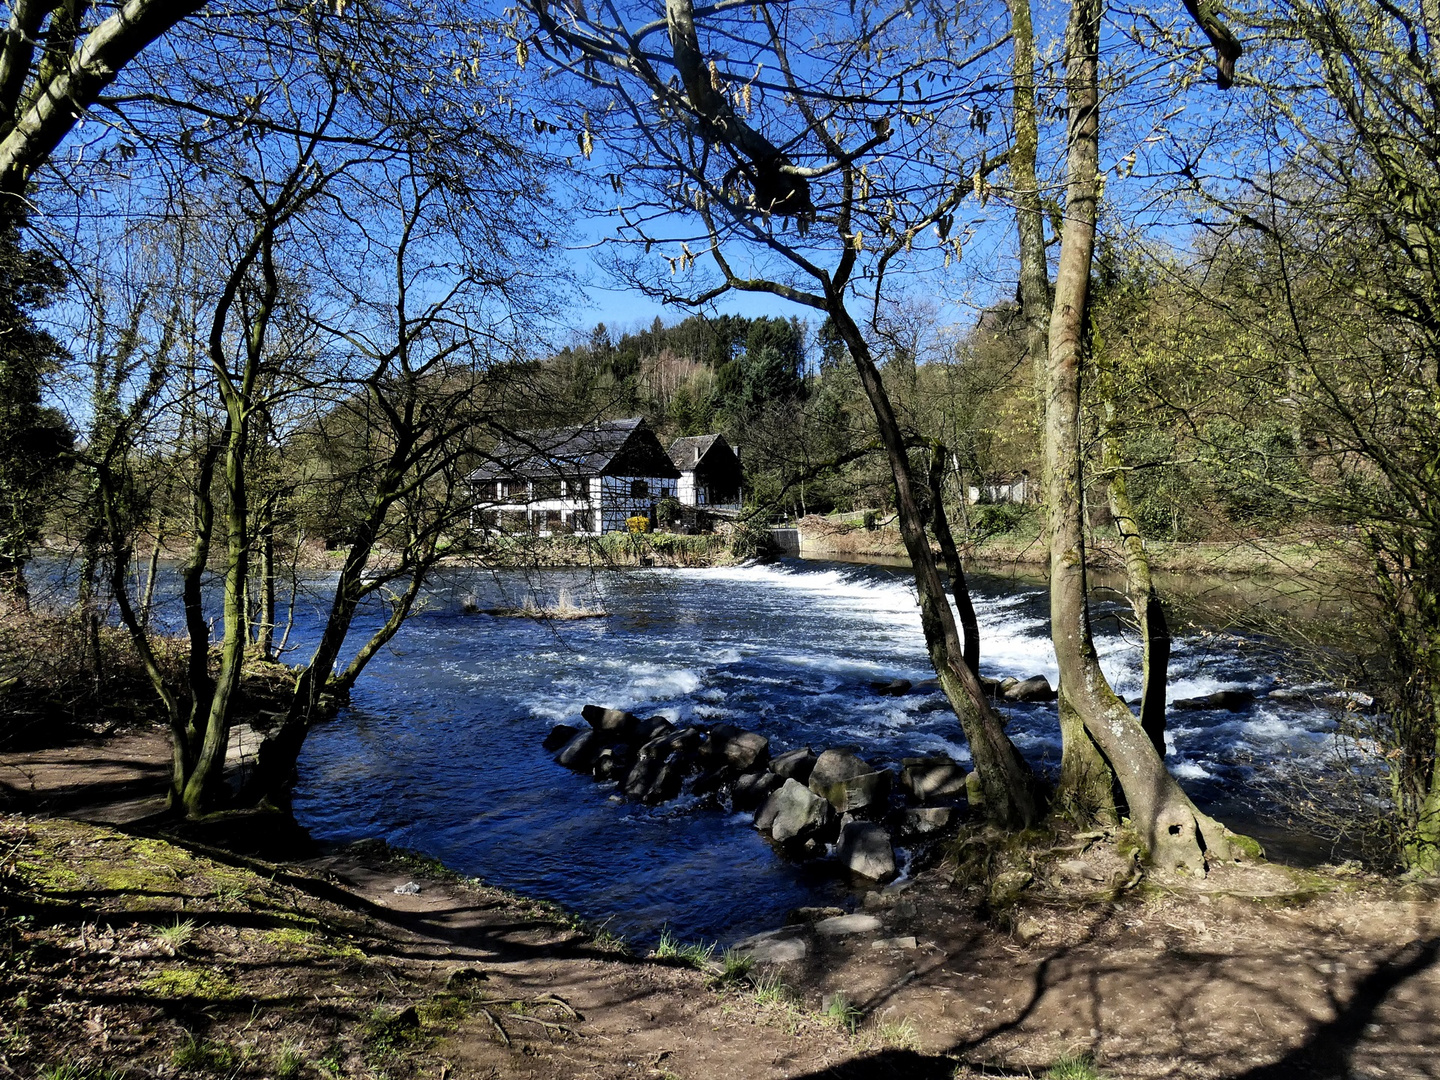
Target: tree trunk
(958,587)
(1175,834)
(1139,584)
(265,636)
(1084,792)
(1010,798)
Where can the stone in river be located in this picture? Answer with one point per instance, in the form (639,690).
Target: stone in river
(559,735)
(653,728)
(893,688)
(612,762)
(581,751)
(1230,700)
(865,850)
(1035,688)
(931,777)
(796,814)
(794,764)
(848,782)
(752,789)
(921,820)
(745,750)
(617,724)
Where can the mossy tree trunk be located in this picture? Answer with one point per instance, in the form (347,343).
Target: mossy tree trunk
(1084,790)
(1176,835)
(940,522)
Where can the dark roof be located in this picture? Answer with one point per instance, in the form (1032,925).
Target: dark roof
(687,453)
(614,447)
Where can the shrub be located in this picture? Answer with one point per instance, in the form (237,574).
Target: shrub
(638,524)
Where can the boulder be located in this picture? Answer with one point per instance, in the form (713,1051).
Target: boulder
(923,820)
(746,751)
(653,728)
(666,784)
(1035,688)
(865,850)
(581,751)
(616,724)
(841,925)
(796,814)
(931,777)
(848,782)
(752,789)
(1230,700)
(612,762)
(794,764)
(774,946)
(991,686)
(559,735)
(893,688)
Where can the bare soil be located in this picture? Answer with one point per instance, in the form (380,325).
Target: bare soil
(175,955)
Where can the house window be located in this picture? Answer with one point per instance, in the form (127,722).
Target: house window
(581,521)
(545,488)
(639,489)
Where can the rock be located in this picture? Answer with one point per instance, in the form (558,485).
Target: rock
(559,735)
(741,750)
(893,688)
(812,914)
(1035,688)
(752,789)
(1028,930)
(797,814)
(865,850)
(653,728)
(618,724)
(465,976)
(653,778)
(612,762)
(923,820)
(991,686)
(1006,887)
(841,925)
(1006,683)
(666,784)
(1081,870)
(410,888)
(1230,700)
(848,782)
(907,942)
(774,946)
(794,764)
(931,777)
(581,751)
(974,793)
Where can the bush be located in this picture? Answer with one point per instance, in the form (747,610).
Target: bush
(998,519)
(638,524)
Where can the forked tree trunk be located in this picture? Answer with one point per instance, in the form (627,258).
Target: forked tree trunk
(1005,779)
(1139,583)
(1175,834)
(1084,792)
(958,587)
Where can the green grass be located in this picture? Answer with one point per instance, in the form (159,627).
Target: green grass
(174,938)
(770,989)
(694,953)
(735,967)
(197,1053)
(844,1015)
(1074,1067)
(70,1071)
(900,1034)
(289,1062)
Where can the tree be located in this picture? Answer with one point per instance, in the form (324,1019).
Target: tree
(782,170)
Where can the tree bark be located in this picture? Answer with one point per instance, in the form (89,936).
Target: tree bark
(1175,834)
(958,587)
(1010,797)
(1149,612)
(40,115)
(1084,792)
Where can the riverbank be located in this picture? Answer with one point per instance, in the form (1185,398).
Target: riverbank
(131,950)
(1024,550)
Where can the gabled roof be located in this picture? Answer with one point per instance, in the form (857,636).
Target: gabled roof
(687,453)
(613,447)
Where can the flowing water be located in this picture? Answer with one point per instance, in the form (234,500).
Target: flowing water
(440,749)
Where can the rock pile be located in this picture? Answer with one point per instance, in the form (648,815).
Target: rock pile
(809,804)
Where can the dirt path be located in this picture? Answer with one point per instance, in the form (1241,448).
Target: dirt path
(1239,977)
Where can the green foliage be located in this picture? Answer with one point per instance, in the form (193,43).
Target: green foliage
(290,1062)
(175,937)
(750,540)
(78,1071)
(1000,519)
(1074,1067)
(901,1034)
(202,1054)
(840,1012)
(694,953)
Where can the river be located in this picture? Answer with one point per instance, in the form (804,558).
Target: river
(440,748)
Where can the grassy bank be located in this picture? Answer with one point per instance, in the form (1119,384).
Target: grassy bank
(1023,546)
